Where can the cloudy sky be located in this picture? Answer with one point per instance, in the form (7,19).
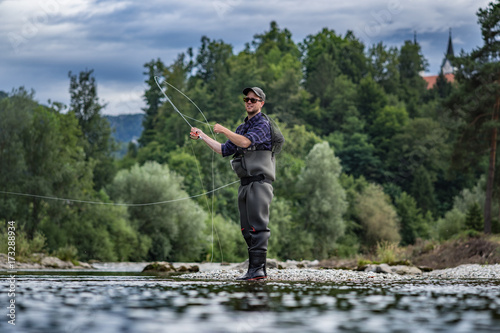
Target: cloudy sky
(42,40)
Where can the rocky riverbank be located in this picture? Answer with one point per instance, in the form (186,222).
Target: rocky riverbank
(42,261)
(277,270)
(472,271)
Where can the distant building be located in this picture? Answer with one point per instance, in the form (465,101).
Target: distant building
(446,67)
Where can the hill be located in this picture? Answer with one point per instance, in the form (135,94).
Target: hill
(126,127)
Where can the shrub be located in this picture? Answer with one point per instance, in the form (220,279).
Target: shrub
(387,251)
(67,253)
(24,247)
(176,229)
(474,218)
(378,217)
(451,224)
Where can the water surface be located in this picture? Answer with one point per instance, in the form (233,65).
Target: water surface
(134,302)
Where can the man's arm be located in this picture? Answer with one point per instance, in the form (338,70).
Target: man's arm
(237,139)
(214,145)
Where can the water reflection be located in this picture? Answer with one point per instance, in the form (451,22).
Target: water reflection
(120,302)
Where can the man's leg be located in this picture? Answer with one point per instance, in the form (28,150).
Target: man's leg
(242,207)
(259,198)
(254,214)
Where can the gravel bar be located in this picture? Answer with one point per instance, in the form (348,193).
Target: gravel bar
(468,272)
(340,275)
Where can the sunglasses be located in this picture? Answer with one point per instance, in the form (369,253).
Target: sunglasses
(251,100)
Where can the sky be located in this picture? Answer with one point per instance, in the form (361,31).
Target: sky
(43,40)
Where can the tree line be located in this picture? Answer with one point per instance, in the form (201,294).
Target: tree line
(371,155)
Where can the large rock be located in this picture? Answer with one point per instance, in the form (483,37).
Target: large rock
(397,269)
(301,264)
(84,265)
(162,267)
(53,262)
(382,268)
(407,270)
(188,269)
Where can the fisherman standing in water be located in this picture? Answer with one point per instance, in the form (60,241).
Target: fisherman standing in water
(254,163)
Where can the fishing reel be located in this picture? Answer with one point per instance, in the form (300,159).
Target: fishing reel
(196,135)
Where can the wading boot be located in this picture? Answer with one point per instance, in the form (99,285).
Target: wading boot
(256,266)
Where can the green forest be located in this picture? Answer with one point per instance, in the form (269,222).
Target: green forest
(371,155)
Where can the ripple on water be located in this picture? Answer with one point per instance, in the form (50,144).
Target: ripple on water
(85,302)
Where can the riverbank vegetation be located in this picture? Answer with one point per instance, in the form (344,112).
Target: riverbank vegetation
(371,156)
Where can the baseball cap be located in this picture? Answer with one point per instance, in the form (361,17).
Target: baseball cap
(257,92)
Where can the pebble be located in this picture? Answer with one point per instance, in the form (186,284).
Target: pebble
(339,275)
(472,271)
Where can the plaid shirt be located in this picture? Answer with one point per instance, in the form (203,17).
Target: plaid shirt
(257,130)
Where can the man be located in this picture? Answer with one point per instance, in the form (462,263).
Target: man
(253,161)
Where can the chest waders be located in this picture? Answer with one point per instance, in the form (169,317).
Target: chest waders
(256,170)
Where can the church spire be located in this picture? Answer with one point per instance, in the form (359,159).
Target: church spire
(446,66)
(449,52)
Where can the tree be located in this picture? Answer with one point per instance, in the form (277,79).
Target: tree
(474,218)
(422,189)
(477,101)
(168,129)
(412,86)
(99,144)
(412,223)
(175,230)
(322,202)
(384,67)
(44,140)
(443,88)
(423,142)
(53,143)
(377,216)
(15,121)
(153,98)
(279,71)
(355,149)
(209,84)
(290,162)
(371,99)
(328,55)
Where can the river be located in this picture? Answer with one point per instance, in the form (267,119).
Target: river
(97,301)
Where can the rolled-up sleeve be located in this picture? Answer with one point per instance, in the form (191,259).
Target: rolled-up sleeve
(259,134)
(228,148)
(257,130)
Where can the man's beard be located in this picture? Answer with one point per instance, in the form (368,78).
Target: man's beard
(252,113)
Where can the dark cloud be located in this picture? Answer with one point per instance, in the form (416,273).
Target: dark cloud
(45,39)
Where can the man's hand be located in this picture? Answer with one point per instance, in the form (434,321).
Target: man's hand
(195,133)
(237,139)
(218,128)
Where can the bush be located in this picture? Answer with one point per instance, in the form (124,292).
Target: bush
(67,253)
(474,218)
(378,217)
(24,246)
(323,200)
(347,246)
(176,229)
(451,224)
(387,252)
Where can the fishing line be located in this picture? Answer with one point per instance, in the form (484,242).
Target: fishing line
(156,78)
(116,203)
(159,202)
(168,100)
(192,102)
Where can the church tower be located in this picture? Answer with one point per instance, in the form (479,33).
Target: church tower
(446,67)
